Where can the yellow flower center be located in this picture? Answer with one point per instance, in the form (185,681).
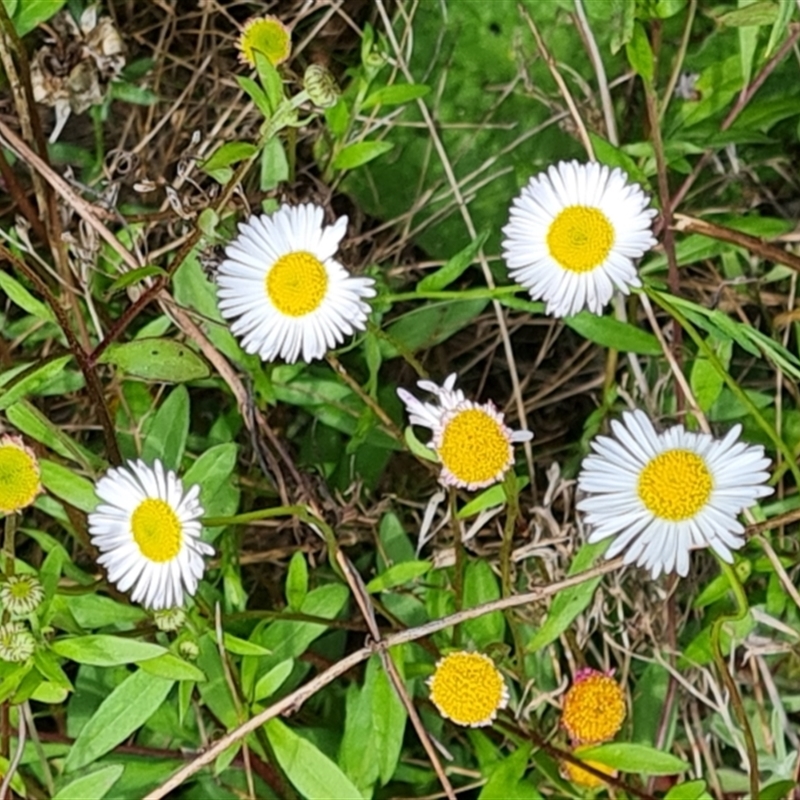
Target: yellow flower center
(297,284)
(268,36)
(19,478)
(594,709)
(475,448)
(675,484)
(580,238)
(467,688)
(157,530)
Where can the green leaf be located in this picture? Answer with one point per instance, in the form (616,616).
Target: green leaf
(156,360)
(173,668)
(125,710)
(779,27)
(166,437)
(635,758)
(358,153)
(690,790)
(274,165)
(212,471)
(311,772)
(227,154)
(271,81)
(297,581)
(25,417)
(640,55)
(31,13)
(779,790)
(67,485)
(481,586)
(131,93)
(397,575)
(489,498)
(454,268)
(610,332)
(429,325)
(506,778)
(105,651)
(135,276)
(242,647)
(374,714)
(93,786)
(256,94)
(20,296)
(396,95)
(705,380)
(270,683)
(568,603)
(764,13)
(34,379)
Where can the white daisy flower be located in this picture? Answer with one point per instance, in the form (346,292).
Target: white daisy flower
(148,533)
(470,439)
(663,494)
(284,291)
(573,233)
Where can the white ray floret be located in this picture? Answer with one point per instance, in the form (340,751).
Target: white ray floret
(663,494)
(148,532)
(473,444)
(573,234)
(284,292)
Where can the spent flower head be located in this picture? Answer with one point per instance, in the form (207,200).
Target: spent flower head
(662,494)
(468,688)
(19,475)
(266,35)
(473,444)
(21,595)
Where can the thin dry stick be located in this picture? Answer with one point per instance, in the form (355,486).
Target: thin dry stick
(599,71)
(292,702)
(365,604)
(462,205)
(677,372)
(758,247)
(83,208)
(14,763)
(560,82)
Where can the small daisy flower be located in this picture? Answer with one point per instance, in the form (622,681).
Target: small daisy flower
(594,707)
(169,619)
(16,642)
(287,294)
(19,475)
(148,533)
(21,594)
(663,494)
(573,234)
(468,689)
(470,439)
(581,777)
(266,35)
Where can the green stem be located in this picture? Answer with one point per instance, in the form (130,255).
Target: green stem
(481,293)
(511,489)
(736,700)
(8,542)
